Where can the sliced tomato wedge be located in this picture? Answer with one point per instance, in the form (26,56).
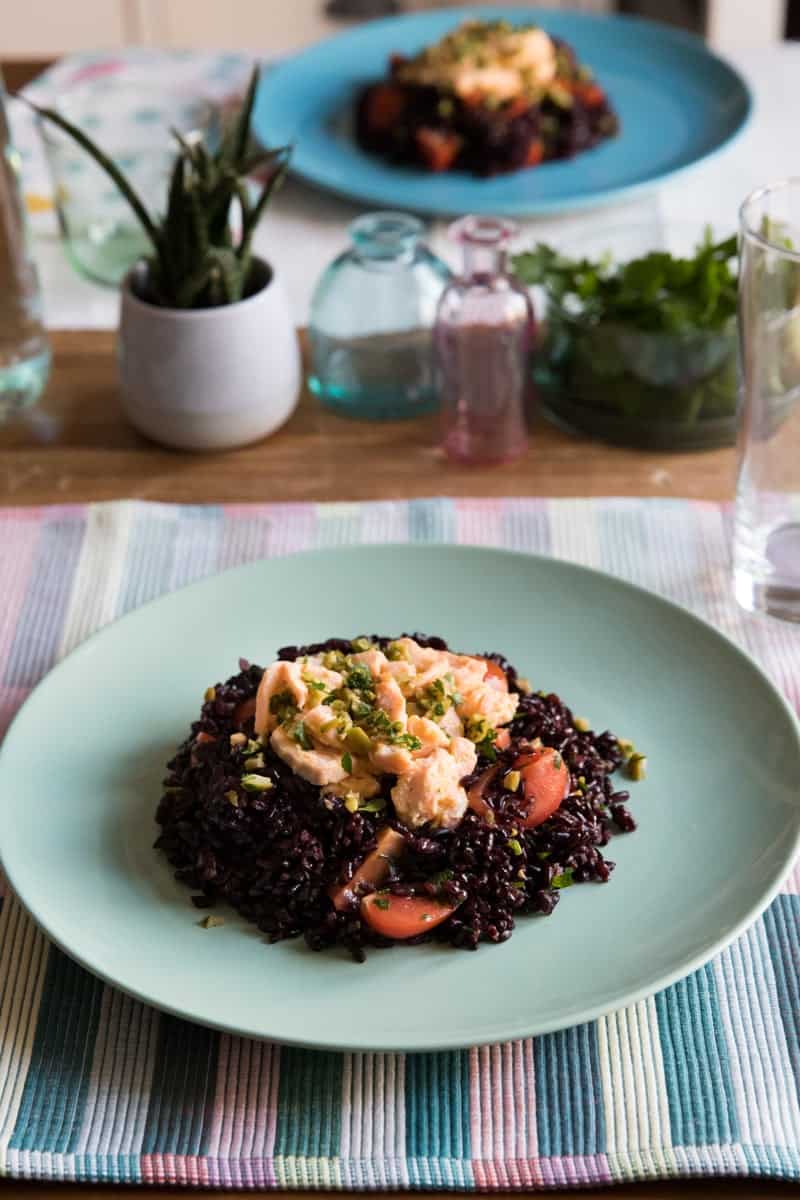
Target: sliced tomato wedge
(535,153)
(401,917)
(244,711)
(374,870)
(438,147)
(545,783)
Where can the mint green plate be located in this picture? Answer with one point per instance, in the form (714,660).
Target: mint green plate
(718,813)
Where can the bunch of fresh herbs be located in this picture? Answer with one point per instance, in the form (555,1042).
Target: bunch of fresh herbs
(658,292)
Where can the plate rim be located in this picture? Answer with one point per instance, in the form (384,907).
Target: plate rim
(522,1029)
(604,197)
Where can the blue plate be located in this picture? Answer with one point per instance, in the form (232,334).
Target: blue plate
(678,104)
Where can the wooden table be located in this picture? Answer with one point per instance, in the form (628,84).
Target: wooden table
(76,446)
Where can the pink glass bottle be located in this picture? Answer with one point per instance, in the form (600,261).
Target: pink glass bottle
(483,337)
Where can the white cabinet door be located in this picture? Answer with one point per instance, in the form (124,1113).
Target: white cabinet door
(262,26)
(47,28)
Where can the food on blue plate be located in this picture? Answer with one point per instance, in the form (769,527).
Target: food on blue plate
(489,97)
(386,790)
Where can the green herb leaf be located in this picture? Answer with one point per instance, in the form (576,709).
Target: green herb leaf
(381,902)
(347,762)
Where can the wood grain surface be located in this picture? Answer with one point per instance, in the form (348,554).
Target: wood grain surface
(76,446)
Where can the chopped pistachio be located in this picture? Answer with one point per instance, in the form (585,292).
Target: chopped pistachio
(256,783)
(637,767)
(351,801)
(581,724)
(253,746)
(395,652)
(372,806)
(519,884)
(523,684)
(210,694)
(255,763)
(232,798)
(211,921)
(238,739)
(514,846)
(357,741)
(511,781)
(360,644)
(626,748)
(564,880)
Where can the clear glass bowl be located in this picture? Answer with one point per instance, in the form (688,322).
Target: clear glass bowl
(633,387)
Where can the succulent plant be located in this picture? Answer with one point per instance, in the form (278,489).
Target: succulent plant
(196,261)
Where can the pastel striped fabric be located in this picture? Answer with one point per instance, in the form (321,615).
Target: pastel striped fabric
(701,1079)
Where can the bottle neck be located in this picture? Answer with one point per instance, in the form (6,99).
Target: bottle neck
(482,261)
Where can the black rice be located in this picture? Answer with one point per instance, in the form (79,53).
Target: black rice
(274,854)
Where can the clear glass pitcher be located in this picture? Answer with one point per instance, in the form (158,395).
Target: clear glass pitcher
(24,348)
(371,323)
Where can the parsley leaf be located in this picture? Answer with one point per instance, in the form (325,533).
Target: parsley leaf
(658,292)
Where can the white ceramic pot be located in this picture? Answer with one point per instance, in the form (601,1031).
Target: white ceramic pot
(209,378)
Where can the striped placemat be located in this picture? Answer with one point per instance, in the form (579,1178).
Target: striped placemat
(701,1079)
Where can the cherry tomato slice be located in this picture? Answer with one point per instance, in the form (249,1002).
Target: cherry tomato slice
(374,870)
(545,782)
(401,917)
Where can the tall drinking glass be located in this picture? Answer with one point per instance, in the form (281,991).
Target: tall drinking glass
(766,556)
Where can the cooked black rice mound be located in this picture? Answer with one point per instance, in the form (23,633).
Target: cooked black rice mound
(421,126)
(274,854)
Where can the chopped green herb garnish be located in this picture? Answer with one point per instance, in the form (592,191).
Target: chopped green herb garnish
(347,762)
(381,902)
(300,735)
(564,880)
(282,705)
(359,678)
